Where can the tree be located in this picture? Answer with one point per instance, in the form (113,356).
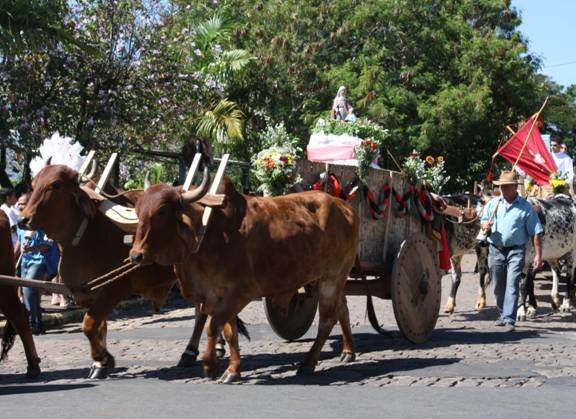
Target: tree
(443,76)
(32,24)
(26,27)
(560,113)
(149,75)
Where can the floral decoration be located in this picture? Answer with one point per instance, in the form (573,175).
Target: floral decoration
(430,171)
(361,128)
(559,181)
(275,166)
(366,152)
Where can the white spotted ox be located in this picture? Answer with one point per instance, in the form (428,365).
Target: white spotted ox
(462,240)
(558,216)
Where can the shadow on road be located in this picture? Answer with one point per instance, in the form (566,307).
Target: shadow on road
(170,320)
(270,369)
(40,388)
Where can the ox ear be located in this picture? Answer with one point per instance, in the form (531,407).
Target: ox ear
(213,200)
(86,205)
(186,230)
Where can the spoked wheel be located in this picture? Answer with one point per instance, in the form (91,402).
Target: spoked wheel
(416,288)
(293,323)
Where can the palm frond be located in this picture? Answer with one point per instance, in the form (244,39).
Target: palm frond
(223,123)
(210,30)
(230,62)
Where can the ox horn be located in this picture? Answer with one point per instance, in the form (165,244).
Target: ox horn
(147,182)
(192,196)
(92,171)
(48,161)
(88,177)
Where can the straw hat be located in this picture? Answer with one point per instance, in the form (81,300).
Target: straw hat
(507,177)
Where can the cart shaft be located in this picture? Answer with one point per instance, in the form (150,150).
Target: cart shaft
(32,283)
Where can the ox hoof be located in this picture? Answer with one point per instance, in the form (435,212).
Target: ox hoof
(211,373)
(566,308)
(33,371)
(187,360)
(229,377)
(521,318)
(304,371)
(480,305)
(448,310)
(98,373)
(530,313)
(555,303)
(347,357)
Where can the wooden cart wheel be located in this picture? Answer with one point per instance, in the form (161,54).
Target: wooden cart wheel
(416,288)
(295,322)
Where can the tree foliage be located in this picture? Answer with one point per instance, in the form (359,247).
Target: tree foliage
(442,76)
(445,77)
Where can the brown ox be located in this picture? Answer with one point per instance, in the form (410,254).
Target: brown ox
(13,309)
(58,205)
(252,247)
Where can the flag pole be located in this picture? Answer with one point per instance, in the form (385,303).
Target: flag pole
(536,115)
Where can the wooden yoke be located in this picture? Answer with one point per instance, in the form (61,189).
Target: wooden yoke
(84,167)
(107,172)
(211,196)
(214,187)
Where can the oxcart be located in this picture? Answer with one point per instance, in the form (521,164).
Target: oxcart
(396,258)
(397,261)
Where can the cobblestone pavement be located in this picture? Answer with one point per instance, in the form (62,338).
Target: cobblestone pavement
(465,350)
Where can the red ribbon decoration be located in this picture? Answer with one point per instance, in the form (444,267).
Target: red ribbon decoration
(334,187)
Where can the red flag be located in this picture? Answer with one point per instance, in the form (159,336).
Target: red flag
(536,161)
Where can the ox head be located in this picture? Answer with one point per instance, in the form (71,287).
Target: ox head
(169,223)
(56,201)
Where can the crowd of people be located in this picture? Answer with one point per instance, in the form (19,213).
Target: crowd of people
(36,257)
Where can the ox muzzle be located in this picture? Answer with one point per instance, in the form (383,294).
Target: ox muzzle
(138,257)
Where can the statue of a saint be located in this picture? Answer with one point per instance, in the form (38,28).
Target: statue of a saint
(341,107)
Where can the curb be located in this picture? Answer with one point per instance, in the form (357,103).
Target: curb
(75,315)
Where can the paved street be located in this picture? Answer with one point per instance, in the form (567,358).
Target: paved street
(467,364)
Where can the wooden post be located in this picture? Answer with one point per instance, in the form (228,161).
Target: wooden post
(106,174)
(214,188)
(86,163)
(388,217)
(33,283)
(327,177)
(192,172)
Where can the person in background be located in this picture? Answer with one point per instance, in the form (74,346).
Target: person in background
(34,247)
(509,221)
(563,161)
(52,261)
(9,199)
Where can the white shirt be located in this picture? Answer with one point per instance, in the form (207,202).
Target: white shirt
(13,218)
(565,165)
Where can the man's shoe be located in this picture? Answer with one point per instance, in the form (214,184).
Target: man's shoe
(499,323)
(509,327)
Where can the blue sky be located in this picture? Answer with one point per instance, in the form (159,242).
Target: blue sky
(550,27)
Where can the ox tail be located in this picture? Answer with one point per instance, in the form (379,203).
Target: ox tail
(242,329)
(8,339)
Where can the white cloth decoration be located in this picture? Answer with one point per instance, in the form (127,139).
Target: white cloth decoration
(62,150)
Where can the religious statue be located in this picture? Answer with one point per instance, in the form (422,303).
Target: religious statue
(341,108)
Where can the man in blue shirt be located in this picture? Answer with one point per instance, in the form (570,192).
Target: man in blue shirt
(511,221)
